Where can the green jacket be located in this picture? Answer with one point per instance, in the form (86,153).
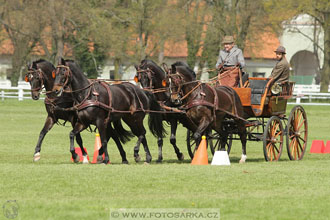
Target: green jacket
(281,71)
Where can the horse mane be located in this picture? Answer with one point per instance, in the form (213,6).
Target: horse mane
(153,66)
(41,62)
(74,66)
(183,68)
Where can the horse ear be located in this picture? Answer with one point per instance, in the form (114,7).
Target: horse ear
(165,67)
(61,61)
(136,67)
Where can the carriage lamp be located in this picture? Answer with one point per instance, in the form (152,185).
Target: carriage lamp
(53,74)
(136,79)
(164,83)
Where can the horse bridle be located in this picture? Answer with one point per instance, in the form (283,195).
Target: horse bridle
(31,73)
(149,73)
(177,79)
(67,74)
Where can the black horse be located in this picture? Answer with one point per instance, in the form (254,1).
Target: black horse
(99,104)
(40,74)
(151,76)
(207,107)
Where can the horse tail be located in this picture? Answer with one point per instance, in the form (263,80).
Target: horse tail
(121,133)
(155,121)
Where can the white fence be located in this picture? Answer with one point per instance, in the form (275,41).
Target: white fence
(306,95)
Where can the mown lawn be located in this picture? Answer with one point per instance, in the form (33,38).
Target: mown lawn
(55,188)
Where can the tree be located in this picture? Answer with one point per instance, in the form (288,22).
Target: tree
(23,32)
(320,11)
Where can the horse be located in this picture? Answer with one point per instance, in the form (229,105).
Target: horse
(207,107)
(99,103)
(151,76)
(39,75)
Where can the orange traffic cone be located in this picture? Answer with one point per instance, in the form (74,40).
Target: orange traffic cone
(201,157)
(97,147)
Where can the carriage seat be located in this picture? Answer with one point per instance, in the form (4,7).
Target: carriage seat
(257,90)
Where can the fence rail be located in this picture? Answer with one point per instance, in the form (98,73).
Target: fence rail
(305,95)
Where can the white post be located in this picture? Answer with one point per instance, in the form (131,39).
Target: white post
(3,95)
(20,93)
(298,96)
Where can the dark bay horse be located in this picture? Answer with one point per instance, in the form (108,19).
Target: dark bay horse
(207,106)
(151,76)
(100,104)
(40,75)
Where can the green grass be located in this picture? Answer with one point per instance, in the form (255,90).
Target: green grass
(55,188)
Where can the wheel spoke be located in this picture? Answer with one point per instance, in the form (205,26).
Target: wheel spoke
(302,123)
(302,139)
(279,133)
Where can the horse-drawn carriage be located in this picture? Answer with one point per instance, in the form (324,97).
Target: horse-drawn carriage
(264,104)
(201,107)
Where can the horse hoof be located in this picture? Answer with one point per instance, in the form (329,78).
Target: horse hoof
(159,161)
(146,163)
(36,157)
(106,162)
(148,159)
(85,160)
(137,159)
(181,157)
(124,162)
(77,159)
(99,159)
(243,158)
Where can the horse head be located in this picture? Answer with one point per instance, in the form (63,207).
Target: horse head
(179,76)
(38,76)
(62,77)
(149,74)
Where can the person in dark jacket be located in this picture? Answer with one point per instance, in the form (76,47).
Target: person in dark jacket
(281,71)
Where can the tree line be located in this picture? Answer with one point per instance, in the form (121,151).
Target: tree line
(93,31)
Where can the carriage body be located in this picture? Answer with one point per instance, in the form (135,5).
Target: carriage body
(259,101)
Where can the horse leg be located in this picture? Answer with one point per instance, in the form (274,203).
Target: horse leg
(160,150)
(104,141)
(242,134)
(47,126)
(146,148)
(118,143)
(80,143)
(174,125)
(203,124)
(136,125)
(76,130)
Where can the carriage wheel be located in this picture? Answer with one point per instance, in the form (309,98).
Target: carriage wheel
(273,139)
(297,130)
(215,142)
(191,144)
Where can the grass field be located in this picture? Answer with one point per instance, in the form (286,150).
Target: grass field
(55,188)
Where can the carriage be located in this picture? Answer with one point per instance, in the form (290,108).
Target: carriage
(265,104)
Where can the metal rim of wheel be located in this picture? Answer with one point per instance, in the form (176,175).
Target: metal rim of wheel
(191,144)
(273,139)
(215,137)
(297,132)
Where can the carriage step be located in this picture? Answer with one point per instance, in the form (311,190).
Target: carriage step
(253,123)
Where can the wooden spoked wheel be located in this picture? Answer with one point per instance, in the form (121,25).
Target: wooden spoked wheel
(297,132)
(215,142)
(273,139)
